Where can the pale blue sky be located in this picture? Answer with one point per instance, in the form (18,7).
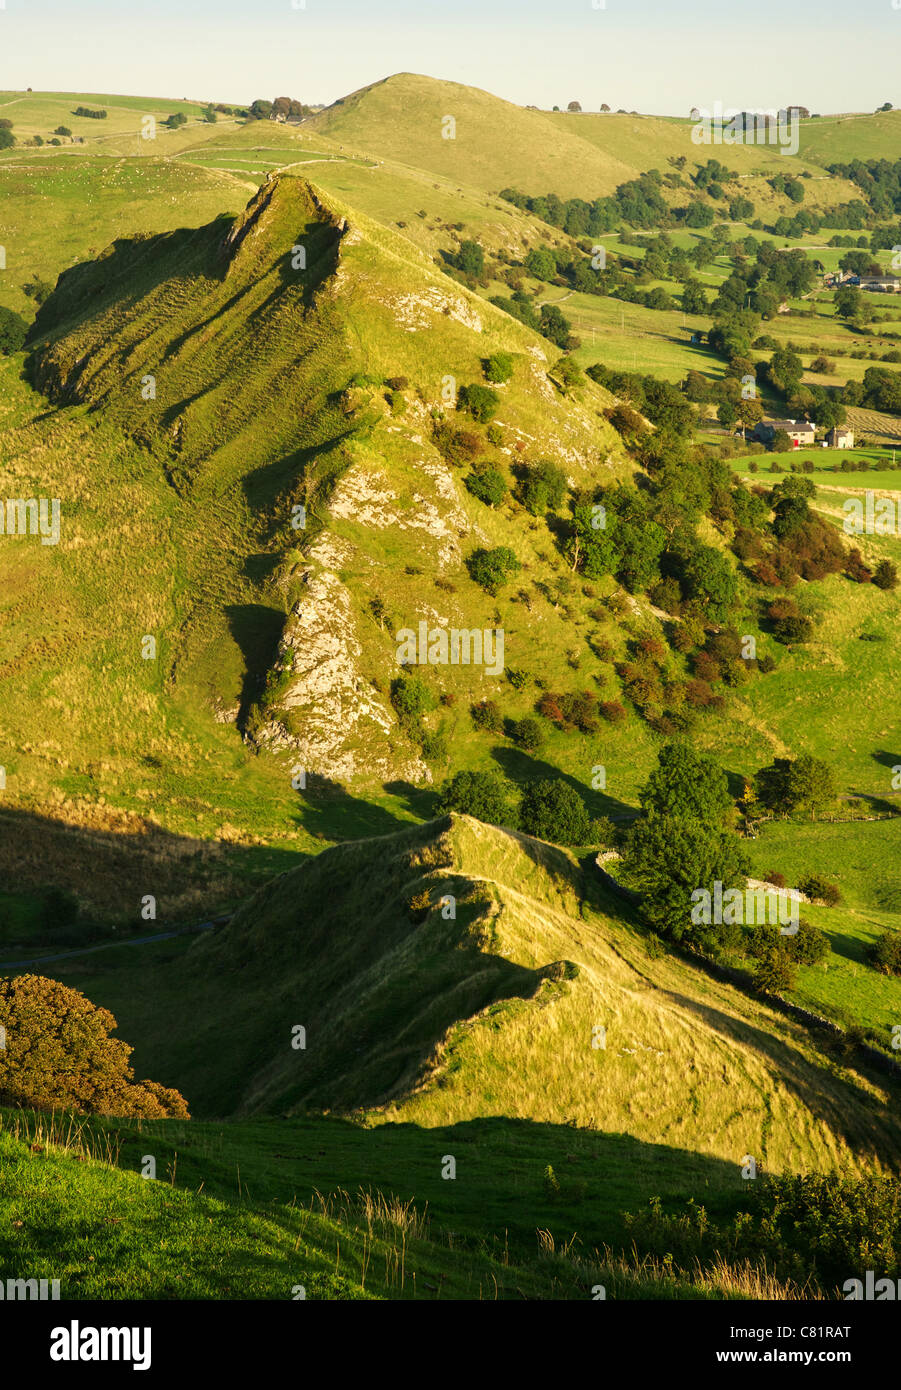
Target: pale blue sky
(650,55)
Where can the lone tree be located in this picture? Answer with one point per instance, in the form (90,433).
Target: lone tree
(574,106)
(58,1052)
(493,568)
(687,785)
(805,784)
(13,328)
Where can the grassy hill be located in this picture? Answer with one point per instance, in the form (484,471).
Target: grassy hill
(205,368)
(495,143)
(469,1037)
(486,1013)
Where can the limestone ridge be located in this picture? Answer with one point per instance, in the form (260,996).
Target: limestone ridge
(180,343)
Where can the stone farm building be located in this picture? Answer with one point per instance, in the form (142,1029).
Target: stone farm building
(881,284)
(839,438)
(800,432)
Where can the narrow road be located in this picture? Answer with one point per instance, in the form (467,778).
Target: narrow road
(105,945)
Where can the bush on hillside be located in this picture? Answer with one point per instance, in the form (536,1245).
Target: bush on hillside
(775,972)
(13,330)
(457,446)
(885,575)
(486,715)
(58,1053)
(489,486)
(542,487)
(553,810)
(819,889)
(498,367)
(885,953)
(527,734)
(484,795)
(493,568)
(411,698)
(479,401)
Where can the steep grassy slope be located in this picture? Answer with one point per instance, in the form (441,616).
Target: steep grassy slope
(160,358)
(265,1208)
(491,1012)
(331,333)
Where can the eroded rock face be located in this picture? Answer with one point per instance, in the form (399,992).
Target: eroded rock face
(366,497)
(415,312)
(328,717)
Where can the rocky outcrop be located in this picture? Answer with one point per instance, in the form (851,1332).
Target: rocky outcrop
(325,715)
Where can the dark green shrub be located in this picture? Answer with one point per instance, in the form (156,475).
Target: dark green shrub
(493,568)
(885,953)
(489,486)
(819,889)
(486,715)
(553,810)
(527,734)
(484,795)
(479,401)
(542,488)
(499,367)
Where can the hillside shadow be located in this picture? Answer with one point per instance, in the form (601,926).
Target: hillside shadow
(333,813)
(264,486)
(321,245)
(257,629)
(500,1198)
(129,269)
(421,802)
(109,864)
(522,767)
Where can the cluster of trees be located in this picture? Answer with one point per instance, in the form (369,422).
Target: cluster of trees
(550,808)
(659,401)
(546,319)
(789,187)
(640,203)
(685,841)
(58,1053)
(795,543)
(878,179)
(291,109)
(7,139)
(880,389)
(91,115)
